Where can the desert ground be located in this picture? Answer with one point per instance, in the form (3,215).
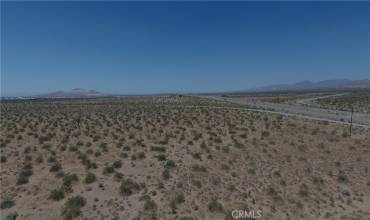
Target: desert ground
(177,157)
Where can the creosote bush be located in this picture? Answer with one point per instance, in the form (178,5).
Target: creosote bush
(170,164)
(55,167)
(149,204)
(166,174)
(90,178)
(68,180)
(25,174)
(215,206)
(128,187)
(56,194)
(72,207)
(7,203)
(108,169)
(117,164)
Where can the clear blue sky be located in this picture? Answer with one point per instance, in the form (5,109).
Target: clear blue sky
(153,47)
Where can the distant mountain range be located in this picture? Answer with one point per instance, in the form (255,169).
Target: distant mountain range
(338,84)
(74,93)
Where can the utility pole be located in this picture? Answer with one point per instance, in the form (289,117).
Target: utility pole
(350,126)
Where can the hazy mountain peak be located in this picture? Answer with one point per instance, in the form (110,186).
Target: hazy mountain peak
(73,93)
(321,85)
(305,82)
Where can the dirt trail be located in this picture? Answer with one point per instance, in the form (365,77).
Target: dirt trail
(311,101)
(342,117)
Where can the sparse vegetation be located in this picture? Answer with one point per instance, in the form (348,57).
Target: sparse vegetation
(191,153)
